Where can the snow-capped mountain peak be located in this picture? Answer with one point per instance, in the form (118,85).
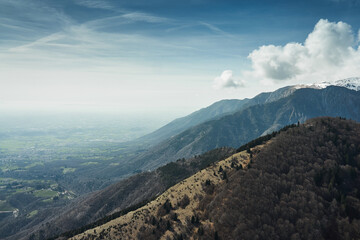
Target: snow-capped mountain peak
(350,83)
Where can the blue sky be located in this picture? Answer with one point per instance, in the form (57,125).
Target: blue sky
(169,55)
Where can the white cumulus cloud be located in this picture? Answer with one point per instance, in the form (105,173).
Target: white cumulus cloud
(331,50)
(227,80)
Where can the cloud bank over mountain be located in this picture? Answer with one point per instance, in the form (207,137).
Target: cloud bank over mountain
(331,50)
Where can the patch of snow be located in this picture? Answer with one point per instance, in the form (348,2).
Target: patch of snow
(16,213)
(350,83)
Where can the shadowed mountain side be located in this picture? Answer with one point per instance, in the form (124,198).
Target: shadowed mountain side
(250,123)
(128,192)
(212,112)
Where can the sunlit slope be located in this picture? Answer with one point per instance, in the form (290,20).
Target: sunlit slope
(171,212)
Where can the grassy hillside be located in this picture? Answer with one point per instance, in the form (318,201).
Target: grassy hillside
(172,212)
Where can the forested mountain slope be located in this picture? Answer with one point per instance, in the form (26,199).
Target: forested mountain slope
(302,184)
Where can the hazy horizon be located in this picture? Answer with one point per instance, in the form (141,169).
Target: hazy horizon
(169,56)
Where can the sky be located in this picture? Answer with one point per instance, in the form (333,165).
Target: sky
(169,56)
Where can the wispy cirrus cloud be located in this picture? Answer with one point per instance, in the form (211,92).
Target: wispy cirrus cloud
(99,4)
(349,2)
(134,16)
(213,29)
(144,17)
(216,29)
(23,20)
(123,19)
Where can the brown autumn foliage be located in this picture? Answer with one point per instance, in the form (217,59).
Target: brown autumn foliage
(304,185)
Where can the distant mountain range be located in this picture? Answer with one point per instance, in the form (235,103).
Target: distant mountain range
(212,112)
(234,122)
(226,107)
(273,111)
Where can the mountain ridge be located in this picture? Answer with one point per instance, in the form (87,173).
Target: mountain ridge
(229,106)
(350,83)
(247,124)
